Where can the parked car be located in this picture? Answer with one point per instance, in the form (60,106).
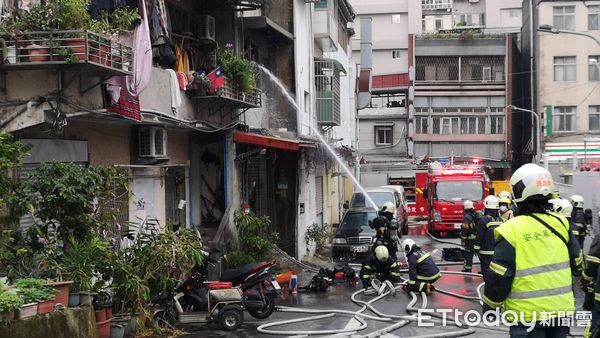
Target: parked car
(353,237)
(394,194)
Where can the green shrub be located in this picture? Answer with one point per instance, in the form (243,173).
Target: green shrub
(10,302)
(255,240)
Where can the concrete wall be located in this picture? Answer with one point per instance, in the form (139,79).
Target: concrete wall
(442,149)
(582,92)
(498,13)
(108,144)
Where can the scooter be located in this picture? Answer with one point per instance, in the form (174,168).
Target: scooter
(196,302)
(258,285)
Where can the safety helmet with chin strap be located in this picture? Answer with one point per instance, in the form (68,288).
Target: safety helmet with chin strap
(531,181)
(408,244)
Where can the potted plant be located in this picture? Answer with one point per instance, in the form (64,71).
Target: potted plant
(9,303)
(239,71)
(63,288)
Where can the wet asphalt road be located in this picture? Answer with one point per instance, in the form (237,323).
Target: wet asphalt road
(338,297)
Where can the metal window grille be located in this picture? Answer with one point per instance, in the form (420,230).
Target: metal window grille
(480,68)
(319,194)
(327,82)
(497,125)
(430,68)
(436,4)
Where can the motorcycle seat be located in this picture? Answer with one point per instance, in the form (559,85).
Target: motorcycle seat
(235,274)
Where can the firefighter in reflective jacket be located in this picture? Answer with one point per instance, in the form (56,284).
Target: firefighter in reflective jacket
(467,234)
(533,260)
(386,227)
(578,218)
(564,208)
(591,287)
(422,270)
(379,265)
(484,242)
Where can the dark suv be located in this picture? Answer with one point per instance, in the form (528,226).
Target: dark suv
(354,236)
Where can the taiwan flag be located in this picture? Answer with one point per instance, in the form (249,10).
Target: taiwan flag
(216,78)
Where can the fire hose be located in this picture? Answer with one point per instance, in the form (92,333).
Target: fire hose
(383,289)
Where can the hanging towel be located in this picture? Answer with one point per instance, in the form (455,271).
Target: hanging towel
(142,56)
(175,92)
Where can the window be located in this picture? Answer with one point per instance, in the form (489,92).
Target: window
(564,17)
(396,18)
(421,124)
(593,18)
(446,125)
(396,54)
(565,68)
(594,117)
(384,135)
(594,68)
(564,118)
(497,125)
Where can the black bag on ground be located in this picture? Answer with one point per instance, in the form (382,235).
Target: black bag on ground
(453,254)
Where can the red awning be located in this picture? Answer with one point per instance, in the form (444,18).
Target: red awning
(267,141)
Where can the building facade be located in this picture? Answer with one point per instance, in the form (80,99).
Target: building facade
(462,90)
(564,81)
(195,155)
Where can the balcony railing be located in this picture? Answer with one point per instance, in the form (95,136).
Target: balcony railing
(229,94)
(460,69)
(56,49)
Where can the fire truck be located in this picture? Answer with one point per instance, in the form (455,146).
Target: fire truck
(447,187)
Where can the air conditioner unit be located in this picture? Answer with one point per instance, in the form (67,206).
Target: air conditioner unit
(487,74)
(205,27)
(152,142)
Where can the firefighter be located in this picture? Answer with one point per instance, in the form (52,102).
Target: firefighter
(505,211)
(534,257)
(379,265)
(384,225)
(484,241)
(422,270)
(578,218)
(468,232)
(563,207)
(513,205)
(591,286)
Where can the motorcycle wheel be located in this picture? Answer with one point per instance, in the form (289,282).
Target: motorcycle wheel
(231,319)
(166,318)
(267,309)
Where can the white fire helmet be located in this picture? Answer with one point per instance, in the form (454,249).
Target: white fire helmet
(577,201)
(468,205)
(382,253)
(408,245)
(491,202)
(563,207)
(389,207)
(531,181)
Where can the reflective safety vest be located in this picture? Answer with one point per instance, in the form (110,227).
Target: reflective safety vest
(542,281)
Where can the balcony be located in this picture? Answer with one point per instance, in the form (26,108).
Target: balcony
(327,82)
(227,94)
(89,53)
(428,5)
(460,69)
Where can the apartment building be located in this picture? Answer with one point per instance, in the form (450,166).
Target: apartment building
(195,154)
(566,80)
(491,15)
(462,90)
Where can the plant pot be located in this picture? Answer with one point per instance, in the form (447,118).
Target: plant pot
(117,330)
(7,315)
(46,306)
(37,53)
(109,313)
(77,47)
(62,296)
(103,329)
(100,315)
(74,299)
(123,320)
(99,52)
(27,310)
(133,324)
(85,298)
(11,54)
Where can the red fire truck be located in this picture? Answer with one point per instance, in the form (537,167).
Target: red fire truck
(447,187)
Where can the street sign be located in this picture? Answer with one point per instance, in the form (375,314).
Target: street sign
(549,110)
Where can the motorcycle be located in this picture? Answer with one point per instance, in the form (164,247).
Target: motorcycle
(196,302)
(258,286)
